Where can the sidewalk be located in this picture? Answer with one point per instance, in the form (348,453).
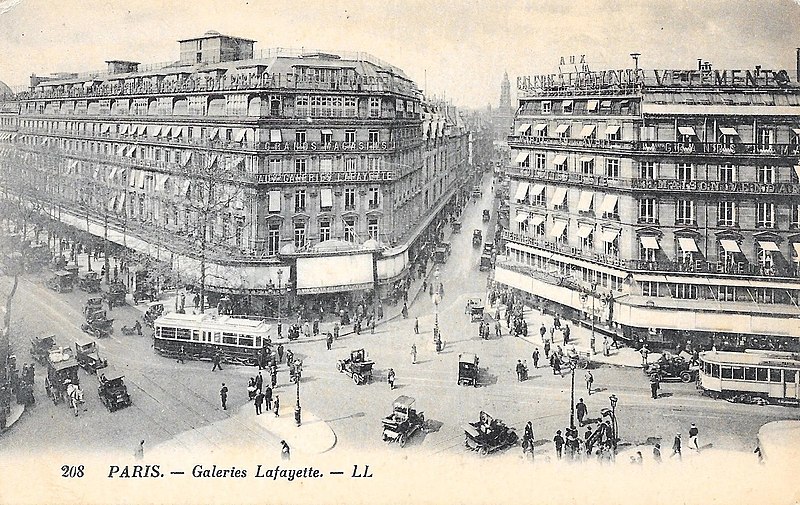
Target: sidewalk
(13,416)
(313,436)
(580,337)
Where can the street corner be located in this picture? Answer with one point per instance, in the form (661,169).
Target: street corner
(313,436)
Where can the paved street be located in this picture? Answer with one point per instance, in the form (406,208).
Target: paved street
(178,404)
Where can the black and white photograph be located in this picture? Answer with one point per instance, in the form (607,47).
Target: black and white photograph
(403,252)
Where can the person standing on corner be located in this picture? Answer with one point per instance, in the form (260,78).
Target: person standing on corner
(558,440)
(580,410)
(676,446)
(535,357)
(276,407)
(654,385)
(589,378)
(416,326)
(259,401)
(390,378)
(413,354)
(693,432)
(223,395)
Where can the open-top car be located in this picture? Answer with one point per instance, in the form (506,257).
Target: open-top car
(486,215)
(89,282)
(467,369)
(99,325)
(41,346)
(488,435)
(357,366)
(441,253)
(92,306)
(456,225)
(486,262)
(144,291)
(477,238)
(88,356)
(477,193)
(475,309)
(116,293)
(671,366)
(403,422)
(60,282)
(153,312)
(113,391)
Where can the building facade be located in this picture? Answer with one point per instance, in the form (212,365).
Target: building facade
(667,201)
(278,164)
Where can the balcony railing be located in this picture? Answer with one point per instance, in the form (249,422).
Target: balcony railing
(660,146)
(739,268)
(660,185)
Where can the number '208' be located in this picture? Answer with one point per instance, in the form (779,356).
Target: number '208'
(71,471)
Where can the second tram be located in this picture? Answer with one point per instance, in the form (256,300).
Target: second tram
(769,375)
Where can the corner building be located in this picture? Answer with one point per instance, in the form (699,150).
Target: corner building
(335,167)
(670,197)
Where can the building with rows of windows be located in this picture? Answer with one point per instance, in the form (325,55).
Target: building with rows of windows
(314,171)
(670,197)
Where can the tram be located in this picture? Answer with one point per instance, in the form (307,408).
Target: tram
(746,376)
(238,340)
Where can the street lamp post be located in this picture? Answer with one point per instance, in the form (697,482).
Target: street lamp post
(297,418)
(437,295)
(572,365)
(280,276)
(615,439)
(591,339)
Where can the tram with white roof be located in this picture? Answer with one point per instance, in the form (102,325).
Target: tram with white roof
(238,340)
(769,375)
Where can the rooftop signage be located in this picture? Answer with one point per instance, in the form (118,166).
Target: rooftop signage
(631,78)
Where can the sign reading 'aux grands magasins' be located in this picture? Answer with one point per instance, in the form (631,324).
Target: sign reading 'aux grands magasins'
(756,77)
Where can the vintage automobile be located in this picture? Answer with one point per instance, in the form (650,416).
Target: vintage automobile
(488,435)
(41,346)
(92,306)
(477,238)
(116,293)
(153,312)
(89,282)
(88,356)
(99,326)
(58,263)
(441,253)
(671,366)
(403,422)
(73,272)
(488,247)
(60,282)
(357,367)
(467,369)
(474,309)
(486,215)
(486,262)
(62,369)
(573,357)
(477,193)
(113,392)
(144,291)
(456,225)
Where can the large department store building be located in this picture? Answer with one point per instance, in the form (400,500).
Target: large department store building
(329,170)
(670,197)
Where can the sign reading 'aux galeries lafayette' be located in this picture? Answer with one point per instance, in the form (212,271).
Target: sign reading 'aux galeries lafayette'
(756,77)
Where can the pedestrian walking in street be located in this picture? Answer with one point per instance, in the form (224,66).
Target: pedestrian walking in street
(289,357)
(535,358)
(555,362)
(519,370)
(217,360)
(139,453)
(336,330)
(693,432)
(316,327)
(390,378)
(498,330)
(566,332)
(181,355)
(416,326)
(273,376)
(589,381)
(196,301)
(657,453)
(606,346)
(587,441)
(276,407)
(259,381)
(556,322)
(372,325)
(558,440)
(268,398)
(280,353)
(676,446)
(259,401)
(644,351)
(546,349)
(405,311)
(413,354)
(110,304)
(542,331)
(654,385)
(223,395)
(552,332)
(285,452)
(329,341)
(580,411)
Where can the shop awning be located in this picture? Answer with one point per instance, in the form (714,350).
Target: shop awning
(609,202)
(612,130)
(609,234)
(605,104)
(566,103)
(325,132)
(326,197)
(591,105)
(332,274)
(120,202)
(558,228)
(559,159)
(275,136)
(121,150)
(523,129)
(521,217)
(536,219)
(728,131)
(123,129)
(796,131)
(154,130)
(141,179)
(587,159)
(131,151)
(730,246)
(796,247)
(540,127)
(161,181)
(274,201)
(113,173)
(585,201)
(797,171)
(185,188)
(239,134)
(558,196)
(112,202)
(521,157)
(186,156)
(537,189)
(522,191)
(562,128)
(649,242)
(96,172)
(687,130)
(587,131)
(688,244)
(141,129)
(584,230)
(105,127)
(768,246)
(177,132)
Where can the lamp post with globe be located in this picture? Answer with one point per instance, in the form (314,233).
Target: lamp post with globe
(437,298)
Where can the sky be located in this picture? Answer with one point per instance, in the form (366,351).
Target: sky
(456,49)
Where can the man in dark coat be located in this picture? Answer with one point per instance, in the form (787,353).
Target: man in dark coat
(259,400)
(580,410)
(216,359)
(223,395)
(259,381)
(558,440)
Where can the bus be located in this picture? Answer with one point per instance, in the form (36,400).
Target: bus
(769,375)
(239,341)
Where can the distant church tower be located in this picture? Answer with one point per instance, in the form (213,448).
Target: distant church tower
(503,116)
(505,94)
